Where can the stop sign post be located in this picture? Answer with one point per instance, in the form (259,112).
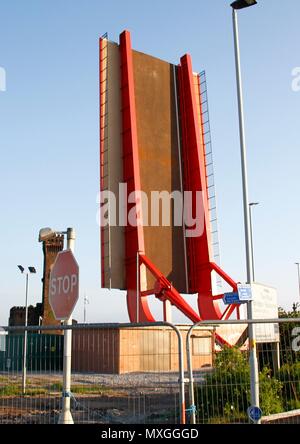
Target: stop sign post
(63,295)
(64,285)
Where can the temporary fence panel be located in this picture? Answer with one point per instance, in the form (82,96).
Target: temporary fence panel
(221,394)
(121,374)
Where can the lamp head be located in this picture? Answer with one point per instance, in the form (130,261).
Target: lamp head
(241,4)
(46,233)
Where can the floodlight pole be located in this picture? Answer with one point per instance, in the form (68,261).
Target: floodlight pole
(251,328)
(298,268)
(65,416)
(251,205)
(138,286)
(24,369)
(85,301)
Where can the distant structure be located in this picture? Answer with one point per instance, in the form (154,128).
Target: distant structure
(17,315)
(51,248)
(41,314)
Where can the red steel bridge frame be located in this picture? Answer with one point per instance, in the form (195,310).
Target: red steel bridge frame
(199,253)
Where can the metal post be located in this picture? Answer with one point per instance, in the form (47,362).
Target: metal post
(192,407)
(181,370)
(84,312)
(66,416)
(24,371)
(252,344)
(252,204)
(167,308)
(191,376)
(252,245)
(298,267)
(137,287)
(84,308)
(182,380)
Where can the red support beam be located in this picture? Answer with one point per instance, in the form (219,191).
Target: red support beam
(199,248)
(165,290)
(195,180)
(134,236)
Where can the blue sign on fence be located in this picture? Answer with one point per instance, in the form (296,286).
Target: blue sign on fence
(254,413)
(243,295)
(231,298)
(245,292)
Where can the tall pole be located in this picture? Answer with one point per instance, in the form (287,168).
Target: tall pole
(85,303)
(138,287)
(251,328)
(24,370)
(298,268)
(251,205)
(66,416)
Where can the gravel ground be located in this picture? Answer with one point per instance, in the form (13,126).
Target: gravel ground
(146,398)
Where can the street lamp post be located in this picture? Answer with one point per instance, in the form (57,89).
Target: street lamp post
(298,268)
(85,303)
(251,205)
(32,270)
(241,4)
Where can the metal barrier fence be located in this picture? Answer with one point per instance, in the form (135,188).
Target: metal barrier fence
(221,394)
(138,373)
(121,374)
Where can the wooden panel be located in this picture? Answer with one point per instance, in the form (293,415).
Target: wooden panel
(159,159)
(96,350)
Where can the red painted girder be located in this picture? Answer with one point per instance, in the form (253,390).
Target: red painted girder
(134,236)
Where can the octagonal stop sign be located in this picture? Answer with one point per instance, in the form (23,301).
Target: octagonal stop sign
(64,285)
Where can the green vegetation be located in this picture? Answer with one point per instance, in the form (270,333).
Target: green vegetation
(289,375)
(225,394)
(16,390)
(288,356)
(87,389)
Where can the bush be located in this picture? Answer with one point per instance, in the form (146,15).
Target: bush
(288,356)
(289,375)
(225,393)
(270,393)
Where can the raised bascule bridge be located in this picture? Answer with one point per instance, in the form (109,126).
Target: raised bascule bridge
(155,136)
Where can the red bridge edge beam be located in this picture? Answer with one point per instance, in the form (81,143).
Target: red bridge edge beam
(195,179)
(198,248)
(134,236)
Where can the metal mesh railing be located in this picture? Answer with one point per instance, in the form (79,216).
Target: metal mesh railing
(134,374)
(121,374)
(222,392)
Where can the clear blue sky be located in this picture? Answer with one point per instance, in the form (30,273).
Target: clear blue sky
(49,130)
